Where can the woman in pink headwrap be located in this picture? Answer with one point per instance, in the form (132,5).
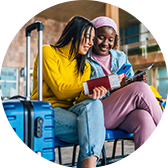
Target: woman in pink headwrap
(133,107)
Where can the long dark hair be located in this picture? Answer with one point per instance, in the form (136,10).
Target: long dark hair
(73,31)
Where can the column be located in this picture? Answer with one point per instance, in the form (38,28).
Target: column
(112,12)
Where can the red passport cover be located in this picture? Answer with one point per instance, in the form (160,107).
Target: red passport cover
(109,82)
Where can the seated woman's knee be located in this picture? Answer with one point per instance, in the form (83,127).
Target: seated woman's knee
(139,86)
(97,104)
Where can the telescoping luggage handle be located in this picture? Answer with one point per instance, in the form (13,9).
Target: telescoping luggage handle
(39,26)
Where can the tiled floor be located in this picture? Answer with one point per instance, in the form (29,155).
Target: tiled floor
(67,151)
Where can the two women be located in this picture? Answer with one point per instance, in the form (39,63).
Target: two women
(80,118)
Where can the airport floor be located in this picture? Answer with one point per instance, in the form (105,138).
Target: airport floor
(67,151)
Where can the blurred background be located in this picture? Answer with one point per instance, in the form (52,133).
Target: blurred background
(136,41)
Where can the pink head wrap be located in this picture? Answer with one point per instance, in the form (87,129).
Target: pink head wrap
(104,21)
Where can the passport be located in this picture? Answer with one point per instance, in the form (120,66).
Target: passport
(109,82)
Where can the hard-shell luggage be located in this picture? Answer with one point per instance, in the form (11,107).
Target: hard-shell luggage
(33,121)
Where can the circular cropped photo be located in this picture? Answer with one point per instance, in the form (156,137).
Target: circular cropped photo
(84,84)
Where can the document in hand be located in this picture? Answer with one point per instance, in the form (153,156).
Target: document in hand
(139,74)
(109,82)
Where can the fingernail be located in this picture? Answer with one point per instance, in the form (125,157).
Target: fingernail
(124,74)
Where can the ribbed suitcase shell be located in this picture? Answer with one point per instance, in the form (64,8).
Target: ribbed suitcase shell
(23,113)
(15,113)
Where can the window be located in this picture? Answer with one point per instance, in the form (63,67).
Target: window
(129,35)
(148,73)
(162,81)
(9,82)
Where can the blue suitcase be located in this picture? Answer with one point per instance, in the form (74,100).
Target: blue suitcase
(33,121)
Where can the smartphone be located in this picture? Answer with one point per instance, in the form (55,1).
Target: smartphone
(124,69)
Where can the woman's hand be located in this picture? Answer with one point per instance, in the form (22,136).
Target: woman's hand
(142,77)
(123,81)
(98,92)
(121,77)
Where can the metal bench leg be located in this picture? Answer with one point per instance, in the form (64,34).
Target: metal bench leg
(104,162)
(74,155)
(114,148)
(122,143)
(59,155)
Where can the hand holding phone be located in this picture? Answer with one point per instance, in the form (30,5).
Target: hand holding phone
(125,67)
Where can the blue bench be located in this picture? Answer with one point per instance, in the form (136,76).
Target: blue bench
(115,136)
(111,136)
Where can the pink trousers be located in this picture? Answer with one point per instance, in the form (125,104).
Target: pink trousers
(134,109)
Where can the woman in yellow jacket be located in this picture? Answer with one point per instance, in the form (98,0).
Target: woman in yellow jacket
(78,117)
